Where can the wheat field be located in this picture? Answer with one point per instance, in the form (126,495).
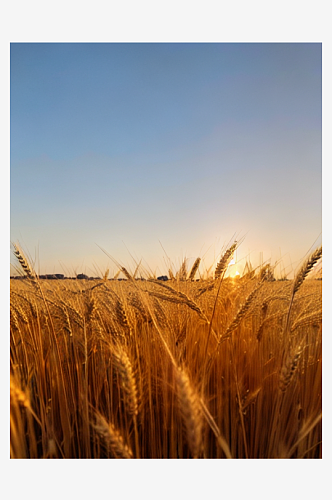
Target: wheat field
(209,368)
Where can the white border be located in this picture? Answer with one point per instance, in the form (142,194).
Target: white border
(172,21)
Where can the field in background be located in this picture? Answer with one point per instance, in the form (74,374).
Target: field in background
(216,368)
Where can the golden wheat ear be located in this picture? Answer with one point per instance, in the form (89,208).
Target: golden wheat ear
(300,277)
(193,270)
(111,437)
(124,368)
(191,412)
(306,268)
(223,262)
(24,263)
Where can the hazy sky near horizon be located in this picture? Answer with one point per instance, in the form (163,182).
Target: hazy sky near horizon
(147,148)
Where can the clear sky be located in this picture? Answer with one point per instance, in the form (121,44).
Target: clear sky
(155,149)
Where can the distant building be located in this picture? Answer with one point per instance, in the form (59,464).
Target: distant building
(82,277)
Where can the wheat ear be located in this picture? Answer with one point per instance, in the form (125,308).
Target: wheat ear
(191,412)
(25,264)
(300,277)
(193,270)
(240,315)
(307,320)
(222,264)
(127,274)
(124,368)
(305,269)
(121,316)
(181,299)
(288,369)
(112,437)
(182,273)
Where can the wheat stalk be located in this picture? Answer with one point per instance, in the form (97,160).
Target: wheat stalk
(215,429)
(21,397)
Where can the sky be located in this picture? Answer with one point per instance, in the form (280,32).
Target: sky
(157,152)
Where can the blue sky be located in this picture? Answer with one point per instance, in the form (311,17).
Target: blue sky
(146,147)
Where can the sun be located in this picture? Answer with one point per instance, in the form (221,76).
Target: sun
(232,263)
